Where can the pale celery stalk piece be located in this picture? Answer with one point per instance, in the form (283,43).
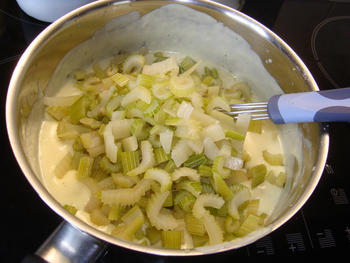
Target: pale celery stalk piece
(218,166)
(138,93)
(130,143)
(213,229)
(180,153)
(166,139)
(171,239)
(126,196)
(185,110)
(147,161)
(273,159)
(111,148)
(206,200)
(159,217)
(64,165)
(161,67)
(221,187)
(133,63)
(63,101)
(160,176)
(190,173)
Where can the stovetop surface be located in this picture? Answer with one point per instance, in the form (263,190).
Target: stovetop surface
(319,32)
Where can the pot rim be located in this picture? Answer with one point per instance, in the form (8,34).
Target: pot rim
(12,129)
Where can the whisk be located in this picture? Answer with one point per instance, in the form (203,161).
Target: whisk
(314,106)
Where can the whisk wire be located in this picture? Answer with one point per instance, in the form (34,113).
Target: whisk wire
(257,110)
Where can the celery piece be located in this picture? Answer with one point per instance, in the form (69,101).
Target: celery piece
(214,132)
(273,159)
(171,239)
(138,128)
(130,144)
(85,166)
(170,166)
(195,160)
(252,207)
(64,165)
(120,79)
(194,188)
(108,166)
(80,75)
(98,217)
(218,167)
(160,155)
(250,224)
(181,86)
(258,174)
(71,209)
(194,225)
(160,176)
(199,241)
(147,161)
(190,173)
(91,123)
(161,90)
(169,202)
(153,235)
(123,181)
(133,64)
(121,128)
(162,67)
(57,112)
(245,90)
(79,109)
(133,219)
(234,135)
(152,109)
(213,229)
(166,140)
(99,72)
(77,145)
(185,200)
(93,143)
(221,187)
(159,57)
(186,64)
(181,152)
(145,80)
(281,179)
(112,105)
(255,126)
(231,224)
(138,93)
(126,196)
(206,200)
(205,170)
(158,216)
(130,160)
(114,213)
(68,131)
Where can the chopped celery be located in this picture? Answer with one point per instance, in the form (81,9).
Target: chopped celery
(147,161)
(57,112)
(123,181)
(273,159)
(145,80)
(130,144)
(153,235)
(181,86)
(91,123)
(133,63)
(98,217)
(194,225)
(161,176)
(152,109)
(255,126)
(194,188)
(114,213)
(205,170)
(206,200)
(108,166)
(71,209)
(185,172)
(120,79)
(213,229)
(138,128)
(85,166)
(185,200)
(186,64)
(250,224)
(112,105)
(195,160)
(170,166)
(160,155)
(79,109)
(258,174)
(218,167)
(64,165)
(130,160)
(221,187)
(234,135)
(171,239)
(68,131)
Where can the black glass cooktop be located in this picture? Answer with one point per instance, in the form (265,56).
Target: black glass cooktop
(319,32)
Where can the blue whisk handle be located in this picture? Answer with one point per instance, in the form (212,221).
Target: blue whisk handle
(314,106)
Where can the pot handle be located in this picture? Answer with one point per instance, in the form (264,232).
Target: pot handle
(68,244)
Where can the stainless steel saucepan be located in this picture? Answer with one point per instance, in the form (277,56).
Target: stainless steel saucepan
(76,241)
